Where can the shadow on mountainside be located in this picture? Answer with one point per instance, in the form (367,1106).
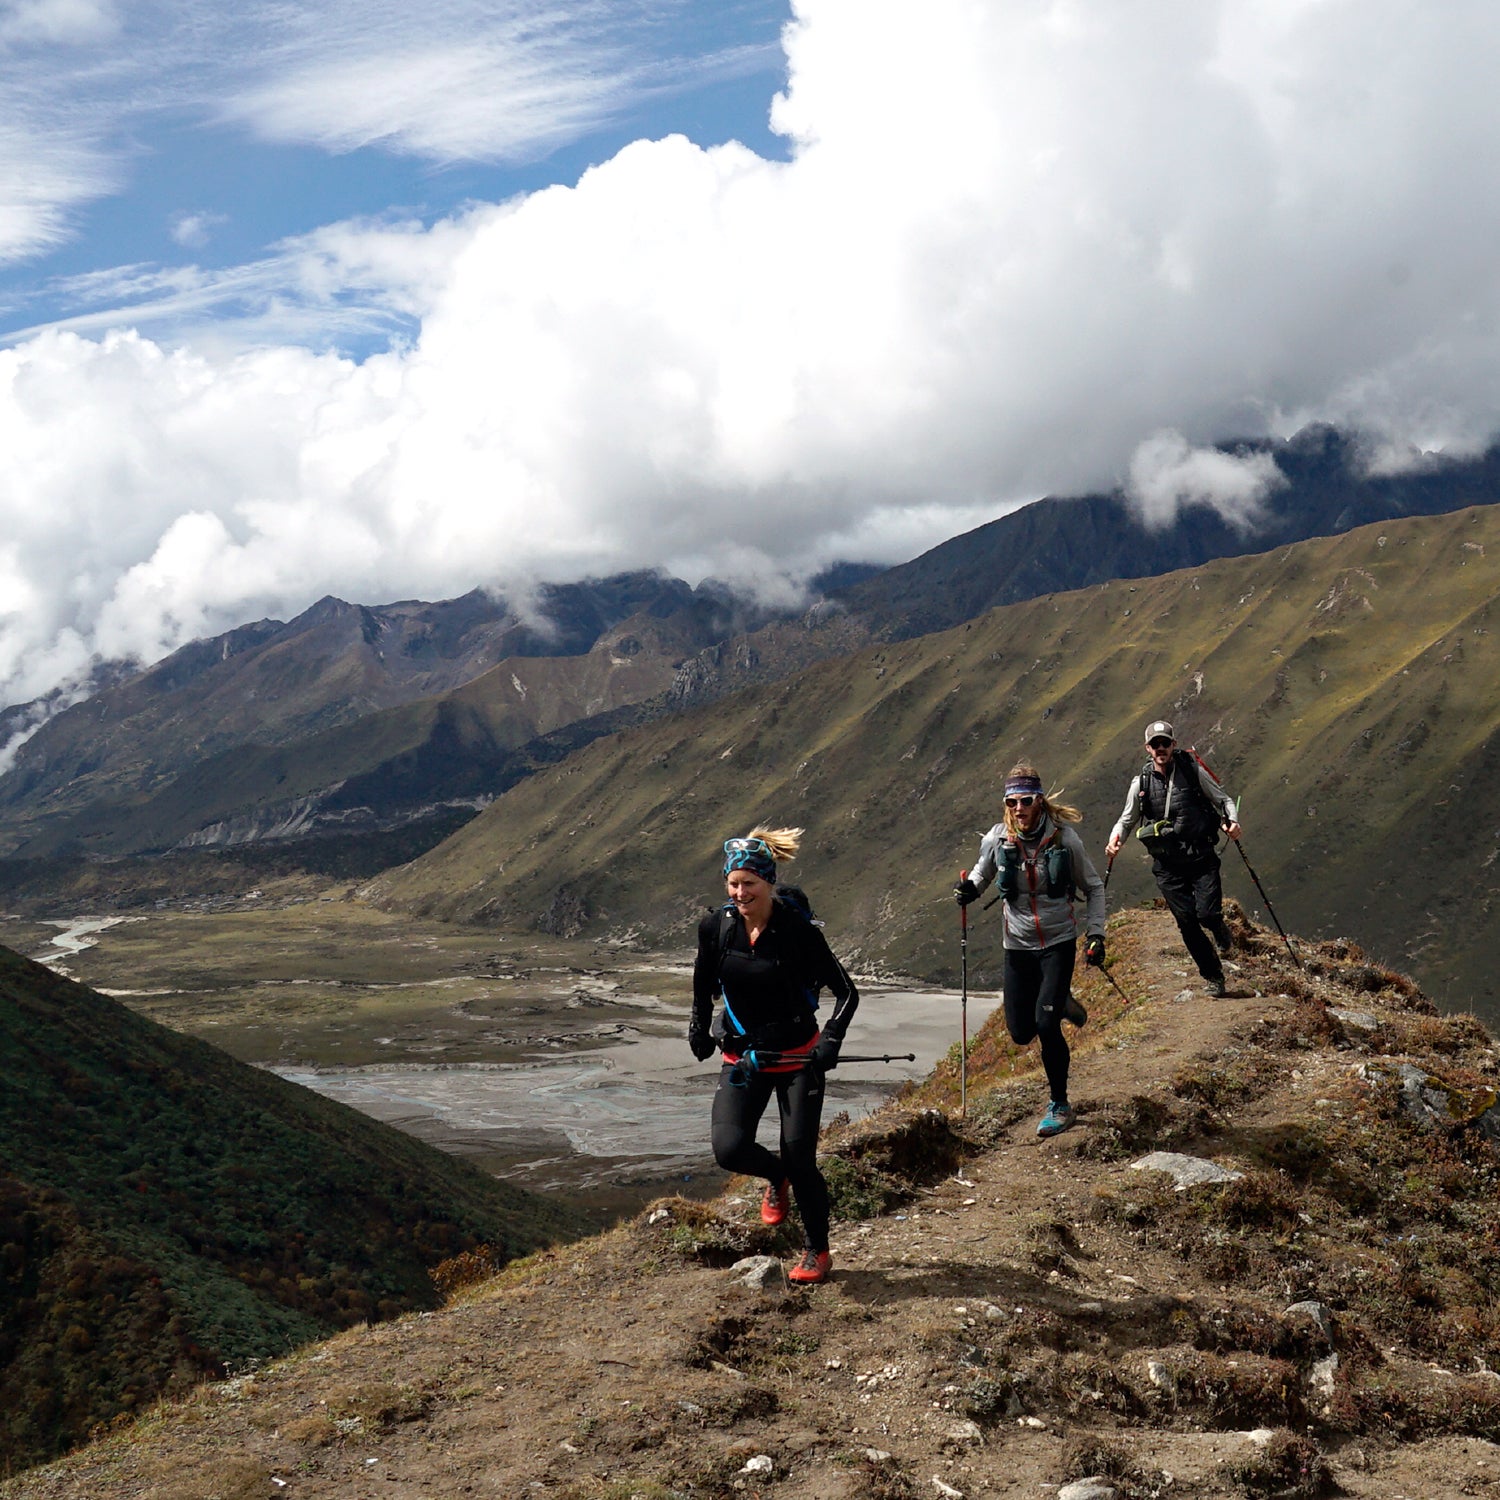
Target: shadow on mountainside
(1006,1316)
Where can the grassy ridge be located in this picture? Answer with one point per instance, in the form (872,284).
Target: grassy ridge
(1348,688)
(166,1211)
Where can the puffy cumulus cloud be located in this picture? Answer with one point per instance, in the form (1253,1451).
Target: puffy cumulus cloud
(1167,473)
(1016,248)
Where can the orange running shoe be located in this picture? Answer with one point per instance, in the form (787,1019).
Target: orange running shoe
(774,1205)
(815,1266)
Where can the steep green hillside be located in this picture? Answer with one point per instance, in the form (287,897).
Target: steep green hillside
(166,1211)
(1347,687)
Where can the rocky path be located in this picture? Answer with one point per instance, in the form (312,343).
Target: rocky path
(1031,1318)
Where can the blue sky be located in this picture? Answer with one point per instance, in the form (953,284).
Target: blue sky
(388,301)
(179,165)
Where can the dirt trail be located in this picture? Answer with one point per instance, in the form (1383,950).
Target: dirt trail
(1006,1329)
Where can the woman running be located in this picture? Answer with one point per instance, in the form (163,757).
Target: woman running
(768,962)
(1041,865)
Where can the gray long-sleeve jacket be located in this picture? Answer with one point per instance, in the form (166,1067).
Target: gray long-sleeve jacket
(1035,920)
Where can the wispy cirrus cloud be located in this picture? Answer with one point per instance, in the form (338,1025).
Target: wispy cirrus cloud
(447,81)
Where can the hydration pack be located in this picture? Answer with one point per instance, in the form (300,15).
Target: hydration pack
(794,901)
(1054,864)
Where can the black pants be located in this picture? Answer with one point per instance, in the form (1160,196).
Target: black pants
(1194,893)
(799,1098)
(1036,989)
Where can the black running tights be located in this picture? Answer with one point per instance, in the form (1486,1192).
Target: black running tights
(799,1098)
(1036,989)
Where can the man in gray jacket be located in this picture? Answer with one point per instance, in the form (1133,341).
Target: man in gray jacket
(1181,809)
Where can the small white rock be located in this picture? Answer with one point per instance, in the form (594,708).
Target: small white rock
(760,1464)
(1089,1489)
(946,1490)
(762,1273)
(1185,1171)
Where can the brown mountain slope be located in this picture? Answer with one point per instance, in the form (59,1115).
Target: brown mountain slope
(1347,688)
(253,723)
(1006,1315)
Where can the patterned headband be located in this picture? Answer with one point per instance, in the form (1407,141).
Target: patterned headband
(1021,786)
(750,854)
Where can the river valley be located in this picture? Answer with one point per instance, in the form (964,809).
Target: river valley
(561,1066)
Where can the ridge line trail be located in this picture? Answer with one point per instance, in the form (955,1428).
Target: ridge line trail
(618,1366)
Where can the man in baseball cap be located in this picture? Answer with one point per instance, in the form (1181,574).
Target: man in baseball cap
(1180,808)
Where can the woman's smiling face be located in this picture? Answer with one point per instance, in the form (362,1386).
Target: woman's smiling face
(750,894)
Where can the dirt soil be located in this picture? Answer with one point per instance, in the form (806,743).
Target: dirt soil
(1016,1321)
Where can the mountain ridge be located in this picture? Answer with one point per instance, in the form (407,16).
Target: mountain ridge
(364,718)
(1340,686)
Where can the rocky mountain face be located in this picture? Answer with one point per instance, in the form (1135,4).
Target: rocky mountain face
(1260,1264)
(275,730)
(167,1213)
(1347,689)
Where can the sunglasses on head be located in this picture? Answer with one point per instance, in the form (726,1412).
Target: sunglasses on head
(746,846)
(1024,801)
(1160,744)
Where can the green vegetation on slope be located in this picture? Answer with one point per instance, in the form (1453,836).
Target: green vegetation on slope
(166,1211)
(1348,688)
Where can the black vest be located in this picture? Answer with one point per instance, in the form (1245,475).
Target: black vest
(1194,818)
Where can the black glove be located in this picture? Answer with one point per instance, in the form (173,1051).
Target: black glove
(965,891)
(700,1041)
(825,1055)
(1093,952)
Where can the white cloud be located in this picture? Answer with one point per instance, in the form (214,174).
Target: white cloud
(1167,473)
(1018,249)
(64,22)
(461,101)
(193,231)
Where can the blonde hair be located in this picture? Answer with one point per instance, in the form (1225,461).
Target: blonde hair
(782,842)
(1059,812)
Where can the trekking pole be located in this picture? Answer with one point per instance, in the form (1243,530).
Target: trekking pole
(1108,867)
(1116,983)
(963,1045)
(755,1060)
(1258,886)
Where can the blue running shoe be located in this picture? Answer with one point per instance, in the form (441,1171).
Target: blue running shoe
(1057,1119)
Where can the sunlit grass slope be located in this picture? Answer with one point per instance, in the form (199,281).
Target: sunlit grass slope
(1347,687)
